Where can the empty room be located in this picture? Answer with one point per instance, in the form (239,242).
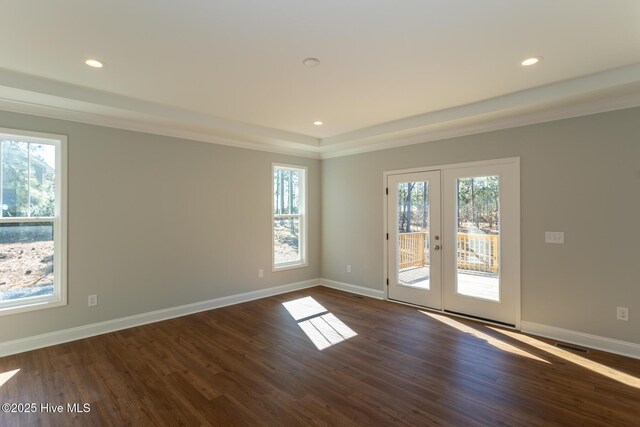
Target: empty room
(292,213)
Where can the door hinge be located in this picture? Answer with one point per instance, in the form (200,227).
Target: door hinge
(387,236)
(387,192)
(387,282)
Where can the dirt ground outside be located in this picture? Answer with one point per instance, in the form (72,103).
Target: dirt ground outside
(286,244)
(26,269)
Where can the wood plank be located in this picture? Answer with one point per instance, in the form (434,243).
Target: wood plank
(252,364)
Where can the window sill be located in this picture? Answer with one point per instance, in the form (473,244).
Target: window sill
(289,266)
(32,306)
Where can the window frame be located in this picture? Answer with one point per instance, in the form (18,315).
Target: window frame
(303,262)
(59,222)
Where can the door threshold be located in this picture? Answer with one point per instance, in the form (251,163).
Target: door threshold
(460,315)
(480,319)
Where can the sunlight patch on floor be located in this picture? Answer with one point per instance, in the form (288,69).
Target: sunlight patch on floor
(6,376)
(323,328)
(493,341)
(599,368)
(302,308)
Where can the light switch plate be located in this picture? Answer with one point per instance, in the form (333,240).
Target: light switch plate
(92,300)
(623,313)
(554,236)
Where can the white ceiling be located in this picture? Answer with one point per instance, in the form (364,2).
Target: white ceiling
(231,70)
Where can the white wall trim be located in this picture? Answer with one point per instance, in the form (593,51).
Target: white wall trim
(354,289)
(509,161)
(155,128)
(597,342)
(489,162)
(302,217)
(35,342)
(41,91)
(58,222)
(457,130)
(93,329)
(596,93)
(580,92)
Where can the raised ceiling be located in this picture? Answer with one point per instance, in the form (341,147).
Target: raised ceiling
(390,71)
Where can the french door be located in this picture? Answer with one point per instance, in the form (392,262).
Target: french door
(453,239)
(414,227)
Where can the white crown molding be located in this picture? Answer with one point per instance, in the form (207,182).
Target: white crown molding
(596,93)
(26,88)
(150,128)
(550,93)
(460,128)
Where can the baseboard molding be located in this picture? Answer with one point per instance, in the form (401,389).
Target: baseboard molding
(86,331)
(597,342)
(354,289)
(610,345)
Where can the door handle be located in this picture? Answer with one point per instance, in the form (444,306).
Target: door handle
(436,248)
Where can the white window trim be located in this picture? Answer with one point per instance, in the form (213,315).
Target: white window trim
(303,221)
(59,297)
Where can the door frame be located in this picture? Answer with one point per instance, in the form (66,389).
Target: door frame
(431,296)
(515,162)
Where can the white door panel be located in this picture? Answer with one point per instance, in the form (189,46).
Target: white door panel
(414,239)
(453,239)
(480,242)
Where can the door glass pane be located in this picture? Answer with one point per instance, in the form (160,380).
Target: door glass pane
(478,237)
(413,234)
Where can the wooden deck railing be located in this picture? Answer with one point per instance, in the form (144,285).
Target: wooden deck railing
(476,252)
(413,251)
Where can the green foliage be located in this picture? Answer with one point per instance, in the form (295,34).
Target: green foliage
(27,181)
(478,204)
(286,196)
(413,207)
(286,191)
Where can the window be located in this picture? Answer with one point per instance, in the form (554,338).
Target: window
(32,221)
(289,217)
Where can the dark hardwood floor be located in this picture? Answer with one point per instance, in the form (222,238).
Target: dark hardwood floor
(252,364)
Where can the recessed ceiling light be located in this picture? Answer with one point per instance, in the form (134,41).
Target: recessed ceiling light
(94,63)
(318,123)
(531,61)
(311,62)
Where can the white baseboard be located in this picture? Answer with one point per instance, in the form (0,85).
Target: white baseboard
(85,331)
(610,345)
(354,289)
(597,342)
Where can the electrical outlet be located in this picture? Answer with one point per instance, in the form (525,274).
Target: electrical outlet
(93,300)
(260,272)
(554,237)
(348,268)
(623,314)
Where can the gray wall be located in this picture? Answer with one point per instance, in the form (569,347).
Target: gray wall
(580,176)
(157,222)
